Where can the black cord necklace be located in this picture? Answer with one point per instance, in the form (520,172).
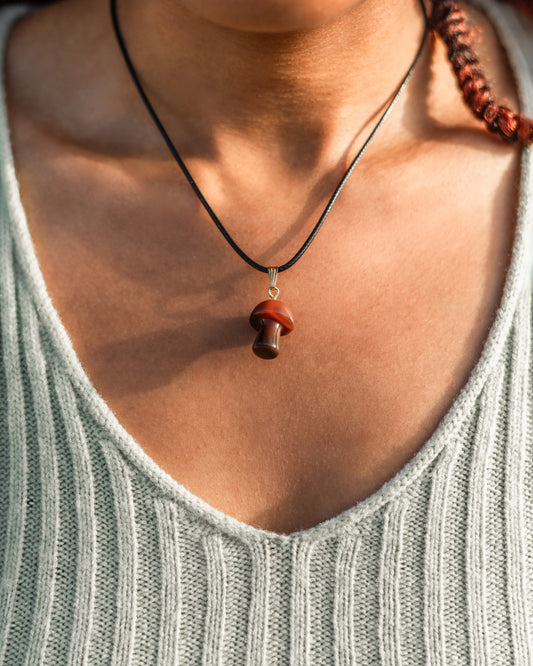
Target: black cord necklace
(271,318)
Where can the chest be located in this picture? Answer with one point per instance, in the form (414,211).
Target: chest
(392,305)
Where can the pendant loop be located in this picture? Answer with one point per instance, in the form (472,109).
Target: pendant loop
(273,291)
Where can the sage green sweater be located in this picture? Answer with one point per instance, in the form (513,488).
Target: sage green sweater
(104,559)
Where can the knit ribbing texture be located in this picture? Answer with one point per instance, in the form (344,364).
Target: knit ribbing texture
(105,560)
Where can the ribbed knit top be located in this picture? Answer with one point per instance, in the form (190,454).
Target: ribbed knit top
(104,559)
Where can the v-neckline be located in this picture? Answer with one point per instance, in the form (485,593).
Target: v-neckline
(518,275)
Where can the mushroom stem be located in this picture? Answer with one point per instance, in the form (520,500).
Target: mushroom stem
(266,343)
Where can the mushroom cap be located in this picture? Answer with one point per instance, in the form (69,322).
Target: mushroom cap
(275,311)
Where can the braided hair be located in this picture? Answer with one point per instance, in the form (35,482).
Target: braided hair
(451,23)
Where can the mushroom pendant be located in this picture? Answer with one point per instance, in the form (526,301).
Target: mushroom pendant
(271,319)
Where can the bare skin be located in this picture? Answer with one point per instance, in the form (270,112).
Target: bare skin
(393,301)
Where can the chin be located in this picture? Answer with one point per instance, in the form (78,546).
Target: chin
(270,16)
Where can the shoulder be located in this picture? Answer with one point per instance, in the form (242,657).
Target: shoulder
(512,22)
(512,19)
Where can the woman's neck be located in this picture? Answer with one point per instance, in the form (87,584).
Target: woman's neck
(312,88)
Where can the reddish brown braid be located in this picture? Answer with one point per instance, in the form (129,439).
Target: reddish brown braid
(451,23)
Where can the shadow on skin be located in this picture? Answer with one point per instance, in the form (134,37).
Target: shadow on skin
(162,353)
